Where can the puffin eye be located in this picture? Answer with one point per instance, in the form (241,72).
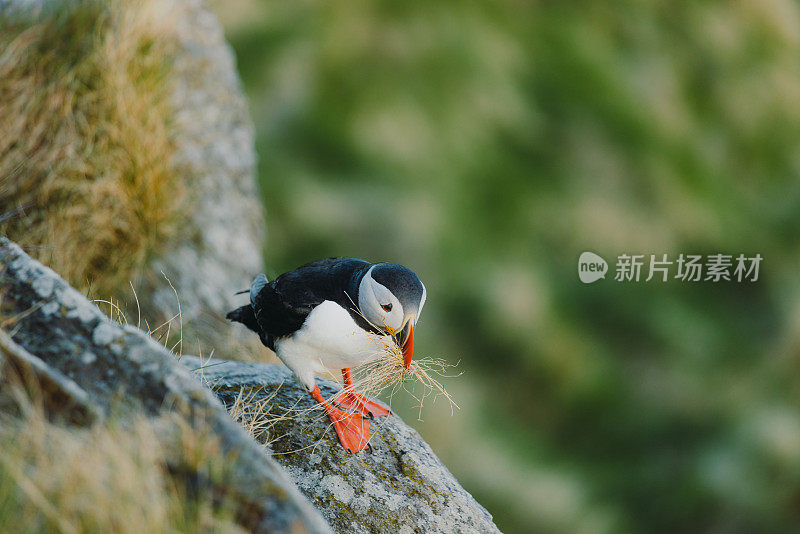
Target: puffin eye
(387,307)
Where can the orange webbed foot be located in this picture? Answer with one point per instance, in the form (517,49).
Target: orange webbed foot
(351,428)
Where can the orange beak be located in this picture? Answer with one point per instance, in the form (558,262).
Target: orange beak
(408,347)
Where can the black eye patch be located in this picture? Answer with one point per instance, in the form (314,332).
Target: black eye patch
(387,307)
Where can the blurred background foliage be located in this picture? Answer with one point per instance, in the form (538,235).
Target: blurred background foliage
(486,145)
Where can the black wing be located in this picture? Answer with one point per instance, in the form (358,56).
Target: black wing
(282,306)
(273,317)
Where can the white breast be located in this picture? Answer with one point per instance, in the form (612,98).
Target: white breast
(329,340)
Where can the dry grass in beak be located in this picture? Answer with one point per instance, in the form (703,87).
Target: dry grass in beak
(389,371)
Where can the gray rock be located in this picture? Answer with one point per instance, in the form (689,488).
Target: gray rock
(59,394)
(100,365)
(400,487)
(220,249)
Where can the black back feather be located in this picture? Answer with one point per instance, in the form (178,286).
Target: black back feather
(281,307)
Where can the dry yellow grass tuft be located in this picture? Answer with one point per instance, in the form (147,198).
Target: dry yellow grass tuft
(86,146)
(109,478)
(254,410)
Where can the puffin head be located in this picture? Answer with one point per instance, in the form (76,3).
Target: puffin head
(391,297)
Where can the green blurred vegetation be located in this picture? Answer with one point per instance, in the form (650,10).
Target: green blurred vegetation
(486,145)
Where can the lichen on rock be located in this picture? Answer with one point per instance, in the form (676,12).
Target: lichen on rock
(401,484)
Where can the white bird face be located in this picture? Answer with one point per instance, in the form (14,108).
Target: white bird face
(391,297)
(379,305)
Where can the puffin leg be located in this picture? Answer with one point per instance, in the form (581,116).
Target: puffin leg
(352,428)
(350,399)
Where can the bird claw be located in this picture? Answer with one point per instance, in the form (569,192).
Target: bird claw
(369,415)
(352,430)
(357,402)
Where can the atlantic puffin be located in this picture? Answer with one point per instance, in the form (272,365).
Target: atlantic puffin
(334,314)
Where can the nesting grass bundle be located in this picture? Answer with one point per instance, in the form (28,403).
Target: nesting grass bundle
(419,380)
(87,136)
